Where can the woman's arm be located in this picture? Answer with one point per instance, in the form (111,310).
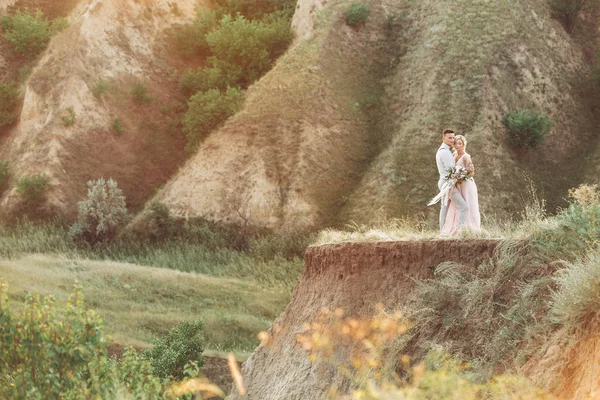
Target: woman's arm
(469,164)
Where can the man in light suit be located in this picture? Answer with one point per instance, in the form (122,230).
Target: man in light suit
(445,160)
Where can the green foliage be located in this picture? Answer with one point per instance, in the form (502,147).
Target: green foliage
(45,356)
(357,14)
(526,129)
(8,100)
(140,95)
(203,79)
(58,25)
(70,117)
(101,214)
(255,9)
(116,126)
(47,353)
(171,352)
(191,38)
(100,88)
(33,188)
(28,33)
(4,176)
(567,11)
(207,111)
(244,50)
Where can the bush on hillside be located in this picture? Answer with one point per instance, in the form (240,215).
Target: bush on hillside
(244,50)
(171,352)
(526,129)
(29,33)
(32,189)
(4,176)
(101,214)
(139,93)
(255,9)
(203,79)
(191,38)
(357,14)
(8,100)
(208,110)
(567,11)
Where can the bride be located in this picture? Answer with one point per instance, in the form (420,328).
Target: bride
(468,189)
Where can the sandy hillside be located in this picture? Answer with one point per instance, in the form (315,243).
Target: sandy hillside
(346,125)
(114,45)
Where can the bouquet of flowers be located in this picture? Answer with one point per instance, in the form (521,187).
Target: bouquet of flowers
(456,174)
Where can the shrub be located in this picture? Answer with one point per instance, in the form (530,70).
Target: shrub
(116,126)
(140,95)
(203,79)
(101,214)
(244,50)
(8,100)
(28,33)
(171,352)
(55,355)
(70,117)
(33,188)
(207,110)
(526,128)
(191,38)
(43,356)
(100,89)
(4,176)
(567,11)
(357,14)
(254,9)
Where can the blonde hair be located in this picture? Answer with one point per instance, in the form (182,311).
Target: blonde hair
(463,139)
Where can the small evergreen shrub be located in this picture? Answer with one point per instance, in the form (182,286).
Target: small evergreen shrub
(203,79)
(101,214)
(171,352)
(526,129)
(8,100)
(207,111)
(100,89)
(4,176)
(32,189)
(70,117)
(357,14)
(244,50)
(27,32)
(567,11)
(140,95)
(116,126)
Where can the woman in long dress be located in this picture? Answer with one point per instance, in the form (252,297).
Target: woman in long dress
(468,189)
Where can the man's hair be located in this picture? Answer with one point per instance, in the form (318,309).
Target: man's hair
(447,131)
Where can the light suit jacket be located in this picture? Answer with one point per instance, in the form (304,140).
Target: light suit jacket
(444,160)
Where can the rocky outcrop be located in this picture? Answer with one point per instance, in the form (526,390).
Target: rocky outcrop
(354,277)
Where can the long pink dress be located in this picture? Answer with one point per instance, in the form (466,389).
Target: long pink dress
(468,189)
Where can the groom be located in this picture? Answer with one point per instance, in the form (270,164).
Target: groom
(445,160)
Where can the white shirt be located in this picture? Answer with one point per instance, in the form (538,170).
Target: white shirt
(444,160)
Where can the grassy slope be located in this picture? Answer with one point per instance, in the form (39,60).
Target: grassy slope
(138,303)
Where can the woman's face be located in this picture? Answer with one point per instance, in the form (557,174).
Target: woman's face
(458,145)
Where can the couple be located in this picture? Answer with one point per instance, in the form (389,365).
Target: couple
(460,207)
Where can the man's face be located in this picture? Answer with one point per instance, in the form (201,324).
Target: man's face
(448,139)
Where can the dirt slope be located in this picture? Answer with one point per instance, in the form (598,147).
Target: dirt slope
(355,277)
(345,127)
(110,46)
